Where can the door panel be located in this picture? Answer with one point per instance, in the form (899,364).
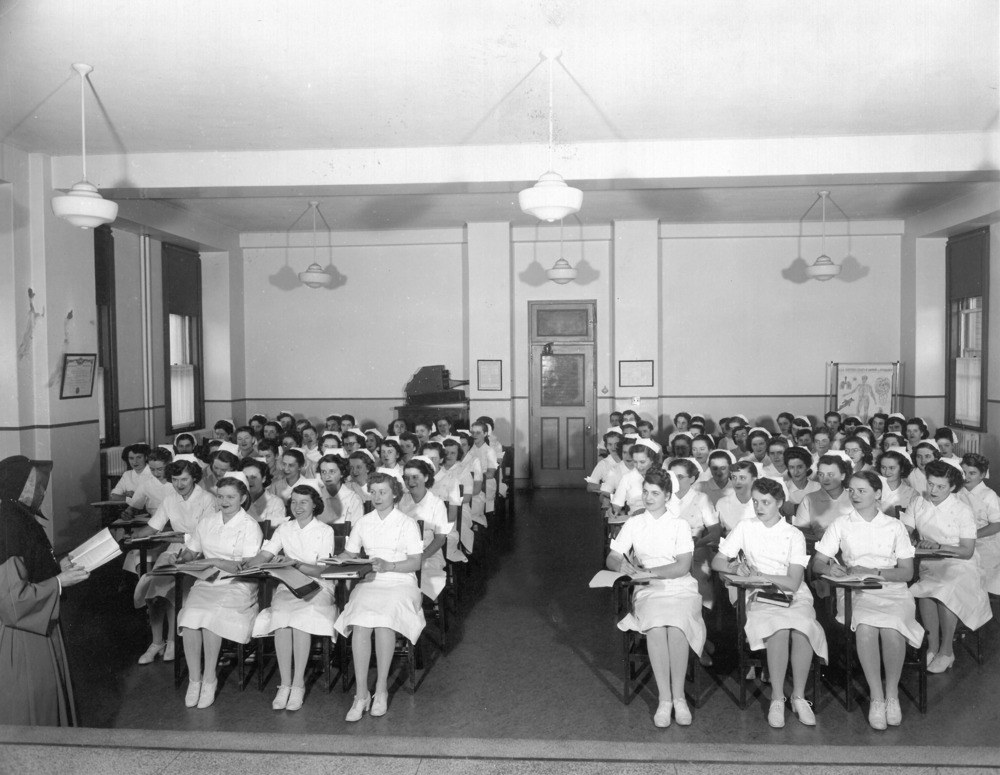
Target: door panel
(562,393)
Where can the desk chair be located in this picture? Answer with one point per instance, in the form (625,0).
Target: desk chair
(636,667)
(758,659)
(915,657)
(180,664)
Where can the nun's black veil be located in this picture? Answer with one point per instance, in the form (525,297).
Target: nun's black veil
(22,487)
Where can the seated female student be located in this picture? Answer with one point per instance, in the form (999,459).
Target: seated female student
(418,502)
(628,495)
(148,497)
(819,509)
(271,431)
(292,462)
(256,424)
(332,422)
(135,455)
(340,502)
(945,439)
(737,504)
(182,509)
(798,478)
(398,427)
(361,464)
(719,482)
(757,441)
(223,608)
(387,603)
(373,440)
(986,509)
(860,453)
(948,590)
(680,447)
(448,489)
(693,506)
(895,466)
(682,422)
(390,455)
(668,609)
(265,507)
(286,420)
(924,452)
(915,432)
(310,445)
(775,466)
(453,473)
(328,442)
(353,440)
(873,543)
(784,422)
(776,550)
(246,442)
(607,466)
(224,430)
(702,446)
(302,541)
(220,463)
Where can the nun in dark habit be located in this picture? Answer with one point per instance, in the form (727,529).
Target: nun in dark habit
(34,673)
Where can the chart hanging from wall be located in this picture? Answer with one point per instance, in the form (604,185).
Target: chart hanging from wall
(863,389)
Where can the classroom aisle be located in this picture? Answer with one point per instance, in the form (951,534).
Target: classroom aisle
(535,657)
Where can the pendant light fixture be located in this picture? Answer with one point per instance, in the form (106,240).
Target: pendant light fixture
(315,276)
(823,268)
(561,272)
(82,206)
(550,199)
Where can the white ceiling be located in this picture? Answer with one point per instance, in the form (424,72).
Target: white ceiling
(193,76)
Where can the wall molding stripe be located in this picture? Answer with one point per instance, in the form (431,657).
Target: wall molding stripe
(401,399)
(142,409)
(48,427)
(923,397)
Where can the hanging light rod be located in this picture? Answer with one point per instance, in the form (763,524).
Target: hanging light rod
(823,268)
(315,276)
(550,199)
(82,206)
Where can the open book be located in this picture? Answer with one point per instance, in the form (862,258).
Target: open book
(745,581)
(857,578)
(298,583)
(96,551)
(607,578)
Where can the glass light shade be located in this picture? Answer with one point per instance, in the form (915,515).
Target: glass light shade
(82,206)
(315,277)
(550,199)
(823,269)
(561,272)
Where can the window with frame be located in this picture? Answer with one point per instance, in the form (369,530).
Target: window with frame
(106,379)
(967,284)
(182,335)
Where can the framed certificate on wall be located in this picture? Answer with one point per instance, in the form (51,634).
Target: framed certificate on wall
(490,375)
(78,375)
(635,374)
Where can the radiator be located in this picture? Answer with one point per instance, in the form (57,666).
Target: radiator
(111,461)
(969,442)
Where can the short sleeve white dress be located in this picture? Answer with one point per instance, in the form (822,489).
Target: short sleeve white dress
(955,583)
(657,541)
(388,599)
(228,606)
(771,550)
(434,513)
(315,613)
(877,544)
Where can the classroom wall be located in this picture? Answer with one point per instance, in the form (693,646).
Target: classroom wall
(301,355)
(744,333)
(49,311)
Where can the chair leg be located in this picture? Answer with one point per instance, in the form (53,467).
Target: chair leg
(626,668)
(327,671)
(922,675)
(260,664)
(849,669)
(242,670)
(411,659)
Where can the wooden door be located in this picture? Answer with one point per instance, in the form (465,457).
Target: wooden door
(562,392)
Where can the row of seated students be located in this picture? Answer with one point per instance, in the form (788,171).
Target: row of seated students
(683,518)
(269,492)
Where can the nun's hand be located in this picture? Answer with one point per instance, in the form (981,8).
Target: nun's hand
(73,575)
